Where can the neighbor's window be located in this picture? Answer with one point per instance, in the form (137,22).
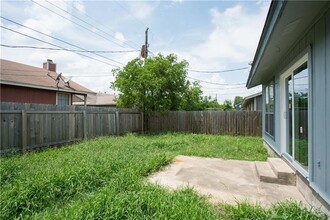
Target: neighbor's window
(269,109)
(63,99)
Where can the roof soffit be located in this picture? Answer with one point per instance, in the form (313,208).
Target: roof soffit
(293,22)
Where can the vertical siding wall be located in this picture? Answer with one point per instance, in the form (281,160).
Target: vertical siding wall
(318,37)
(10,93)
(28,126)
(327,100)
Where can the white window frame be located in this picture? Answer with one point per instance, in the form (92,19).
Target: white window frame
(274,103)
(303,59)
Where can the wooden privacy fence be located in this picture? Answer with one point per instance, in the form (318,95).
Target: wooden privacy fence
(28,126)
(245,123)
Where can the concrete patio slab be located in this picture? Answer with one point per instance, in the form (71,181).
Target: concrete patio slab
(224,181)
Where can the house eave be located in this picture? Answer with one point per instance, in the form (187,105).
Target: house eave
(286,23)
(273,16)
(42,87)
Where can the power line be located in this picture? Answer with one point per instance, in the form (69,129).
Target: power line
(76,23)
(41,71)
(56,45)
(59,40)
(223,88)
(82,51)
(143,24)
(33,75)
(93,26)
(218,71)
(220,84)
(85,14)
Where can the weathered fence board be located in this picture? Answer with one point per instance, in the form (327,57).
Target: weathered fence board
(245,123)
(27,126)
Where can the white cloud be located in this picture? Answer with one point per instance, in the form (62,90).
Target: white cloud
(120,37)
(235,35)
(69,63)
(141,9)
(231,44)
(78,4)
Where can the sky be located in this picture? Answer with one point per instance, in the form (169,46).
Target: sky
(213,36)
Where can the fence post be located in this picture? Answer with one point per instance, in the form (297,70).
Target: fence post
(117,122)
(85,124)
(71,126)
(142,122)
(24,131)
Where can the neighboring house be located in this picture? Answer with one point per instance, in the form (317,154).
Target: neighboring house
(252,102)
(292,63)
(27,84)
(97,100)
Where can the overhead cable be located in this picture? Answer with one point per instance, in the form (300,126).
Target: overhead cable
(218,71)
(93,19)
(91,25)
(43,76)
(220,84)
(90,30)
(14,22)
(56,45)
(82,51)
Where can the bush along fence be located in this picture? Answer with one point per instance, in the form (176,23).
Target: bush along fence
(28,126)
(244,123)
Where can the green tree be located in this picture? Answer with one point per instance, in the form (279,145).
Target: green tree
(227,105)
(192,98)
(158,84)
(209,103)
(238,101)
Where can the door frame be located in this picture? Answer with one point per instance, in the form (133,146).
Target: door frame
(284,114)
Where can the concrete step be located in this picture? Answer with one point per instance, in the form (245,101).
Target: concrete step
(283,171)
(265,172)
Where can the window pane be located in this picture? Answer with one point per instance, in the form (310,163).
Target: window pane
(63,99)
(300,80)
(269,109)
(289,110)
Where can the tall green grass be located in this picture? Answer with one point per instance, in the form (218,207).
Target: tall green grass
(104,178)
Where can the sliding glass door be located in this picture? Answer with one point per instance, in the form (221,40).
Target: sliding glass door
(297,109)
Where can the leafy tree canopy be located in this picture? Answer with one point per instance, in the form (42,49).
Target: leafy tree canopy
(227,105)
(238,100)
(157,84)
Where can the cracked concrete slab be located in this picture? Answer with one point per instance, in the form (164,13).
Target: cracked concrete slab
(224,181)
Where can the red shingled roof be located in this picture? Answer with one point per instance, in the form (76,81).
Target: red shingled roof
(19,74)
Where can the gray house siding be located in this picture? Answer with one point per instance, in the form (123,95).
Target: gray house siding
(259,103)
(327,69)
(273,142)
(319,114)
(317,38)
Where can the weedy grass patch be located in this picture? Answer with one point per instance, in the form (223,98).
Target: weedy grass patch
(283,210)
(104,178)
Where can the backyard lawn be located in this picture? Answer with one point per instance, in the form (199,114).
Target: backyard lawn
(105,178)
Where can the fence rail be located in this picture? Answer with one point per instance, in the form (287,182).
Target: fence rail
(28,126)
(245,123)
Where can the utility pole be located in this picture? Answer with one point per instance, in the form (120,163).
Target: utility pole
(146,45)
(144,49)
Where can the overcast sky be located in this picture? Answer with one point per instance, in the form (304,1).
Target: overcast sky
(210,35)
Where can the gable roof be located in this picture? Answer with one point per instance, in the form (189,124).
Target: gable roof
(249,98)
(286,22)
(18,74)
